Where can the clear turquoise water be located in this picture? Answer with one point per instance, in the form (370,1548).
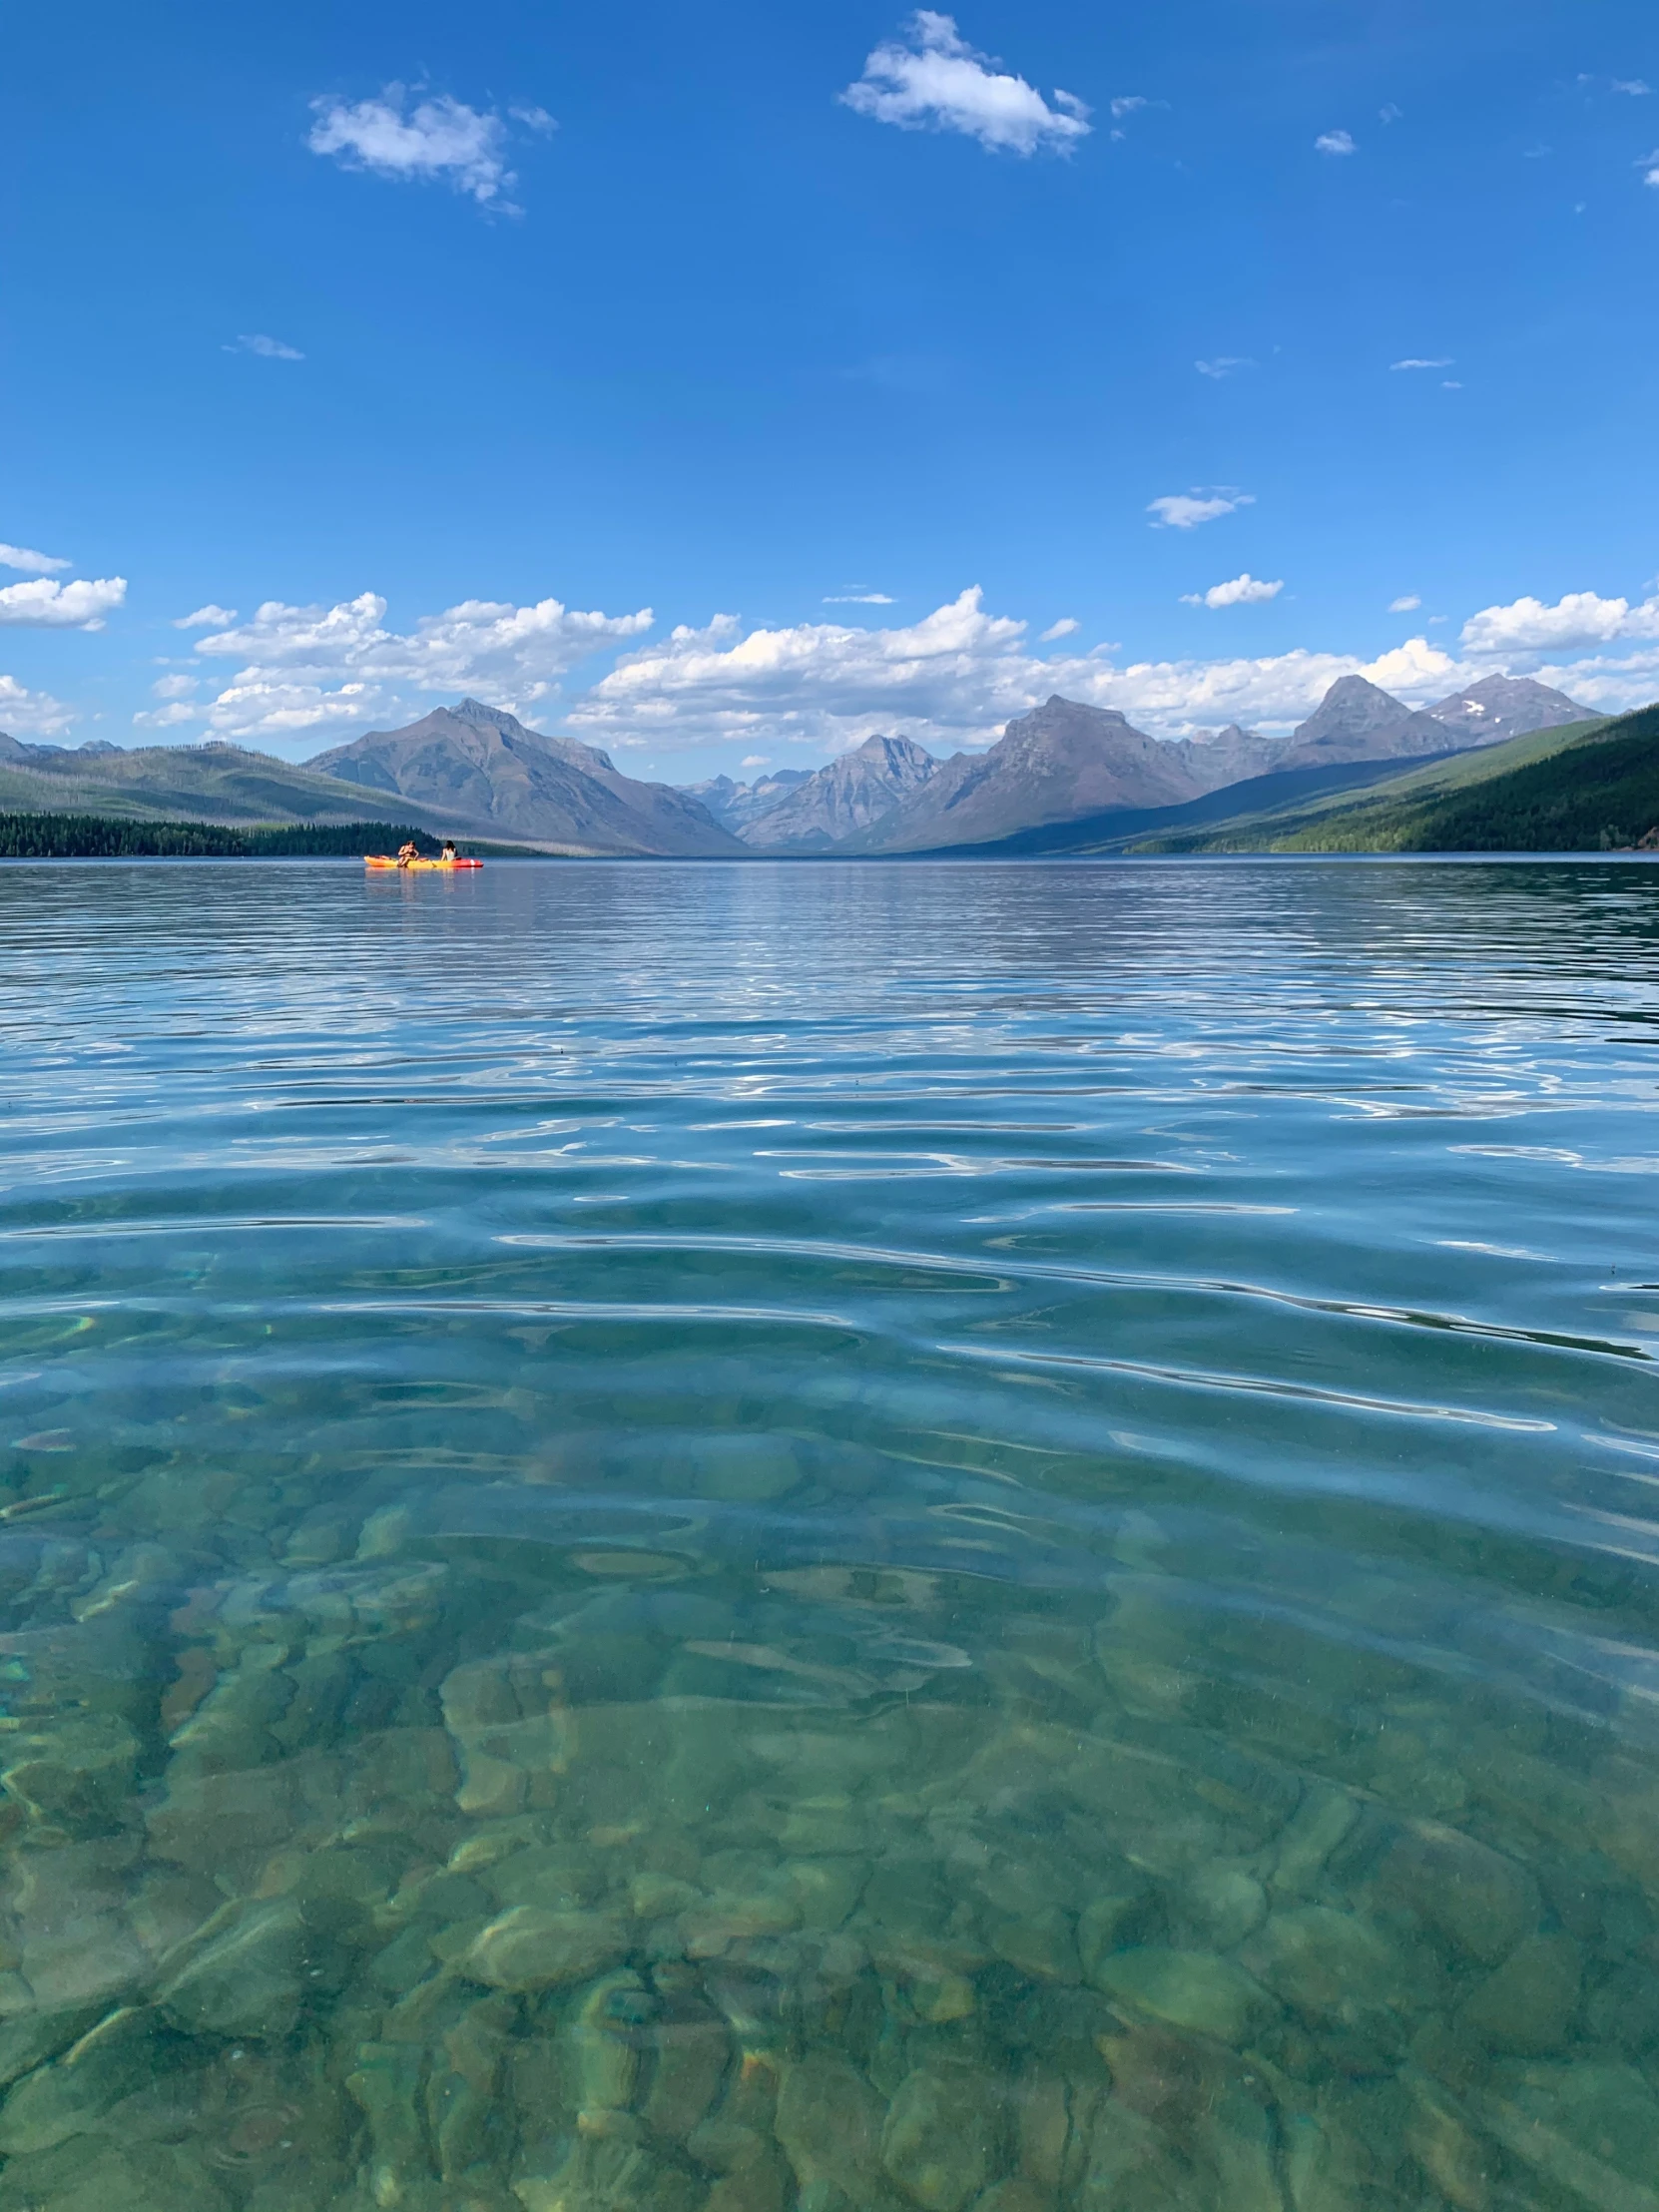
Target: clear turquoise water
(728,1538)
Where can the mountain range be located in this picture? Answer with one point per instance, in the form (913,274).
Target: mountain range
(469,771)
(1067,762)
(1062,777)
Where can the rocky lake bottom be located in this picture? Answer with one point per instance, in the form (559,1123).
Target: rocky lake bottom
(702,1539)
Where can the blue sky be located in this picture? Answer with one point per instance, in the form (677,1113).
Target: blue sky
(724,385)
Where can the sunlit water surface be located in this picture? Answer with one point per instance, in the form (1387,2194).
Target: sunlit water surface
(718,1539)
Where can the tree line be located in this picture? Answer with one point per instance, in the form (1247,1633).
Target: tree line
(98,837)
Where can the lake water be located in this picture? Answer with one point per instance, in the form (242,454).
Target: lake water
(707,1540)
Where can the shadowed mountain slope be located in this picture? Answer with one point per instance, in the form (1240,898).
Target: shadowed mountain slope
(482,765)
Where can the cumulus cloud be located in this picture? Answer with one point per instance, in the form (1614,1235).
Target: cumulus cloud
(1242,591)
(1064,628)
(1649,165)
(859,599)
(1407,604)
(938,81)
(1224,364)
(1335,141)
(29,562)
(755,760)
(169,717)
(1186,510)
(1579,617)
(37,714)
(81,604)
(1633,86)
(437,137)
(951,680)
(306,666)
(209,617)
(267,348)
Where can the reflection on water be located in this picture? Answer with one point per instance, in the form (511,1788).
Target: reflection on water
(717,1539)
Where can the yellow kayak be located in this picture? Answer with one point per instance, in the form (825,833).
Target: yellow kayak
(380,860)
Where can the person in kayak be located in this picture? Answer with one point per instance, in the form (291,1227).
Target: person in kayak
(407,852)
(448,853)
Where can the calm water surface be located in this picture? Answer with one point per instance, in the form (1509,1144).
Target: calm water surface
(722,1539)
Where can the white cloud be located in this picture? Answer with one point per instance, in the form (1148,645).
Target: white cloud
(168,717)
(938,83)
(755,760)
(24,558)
(1579,617)
(534,118)
(1064,628)
(1242,591)
(859,599)
(1633,86)
(953,678)
(81,604)
(1186,510)
(37,713)
(1127,103)
(1224,364)
(1449,383)
(267,348)
(1388,113)
(305,666)
(1413,361)
(1407,604)
(1649,163)
(1334,141)
(174,687)
(209,617)
(438,138)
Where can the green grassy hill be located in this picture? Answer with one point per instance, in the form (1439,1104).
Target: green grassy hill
(219,783)
(1586,787)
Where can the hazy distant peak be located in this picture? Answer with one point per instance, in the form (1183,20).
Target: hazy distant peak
(851,794)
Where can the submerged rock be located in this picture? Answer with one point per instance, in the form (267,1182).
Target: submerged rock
(1589,2129)
(1220,1905)
(1319,1824)
(242,1974)
(75,1776)
(1481,1902)
(1189,1990)
(1328,1966)
(1527,2005)
(528,1948)
(941,2137)
(829,2123)
(71,2096)
(600,2046)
